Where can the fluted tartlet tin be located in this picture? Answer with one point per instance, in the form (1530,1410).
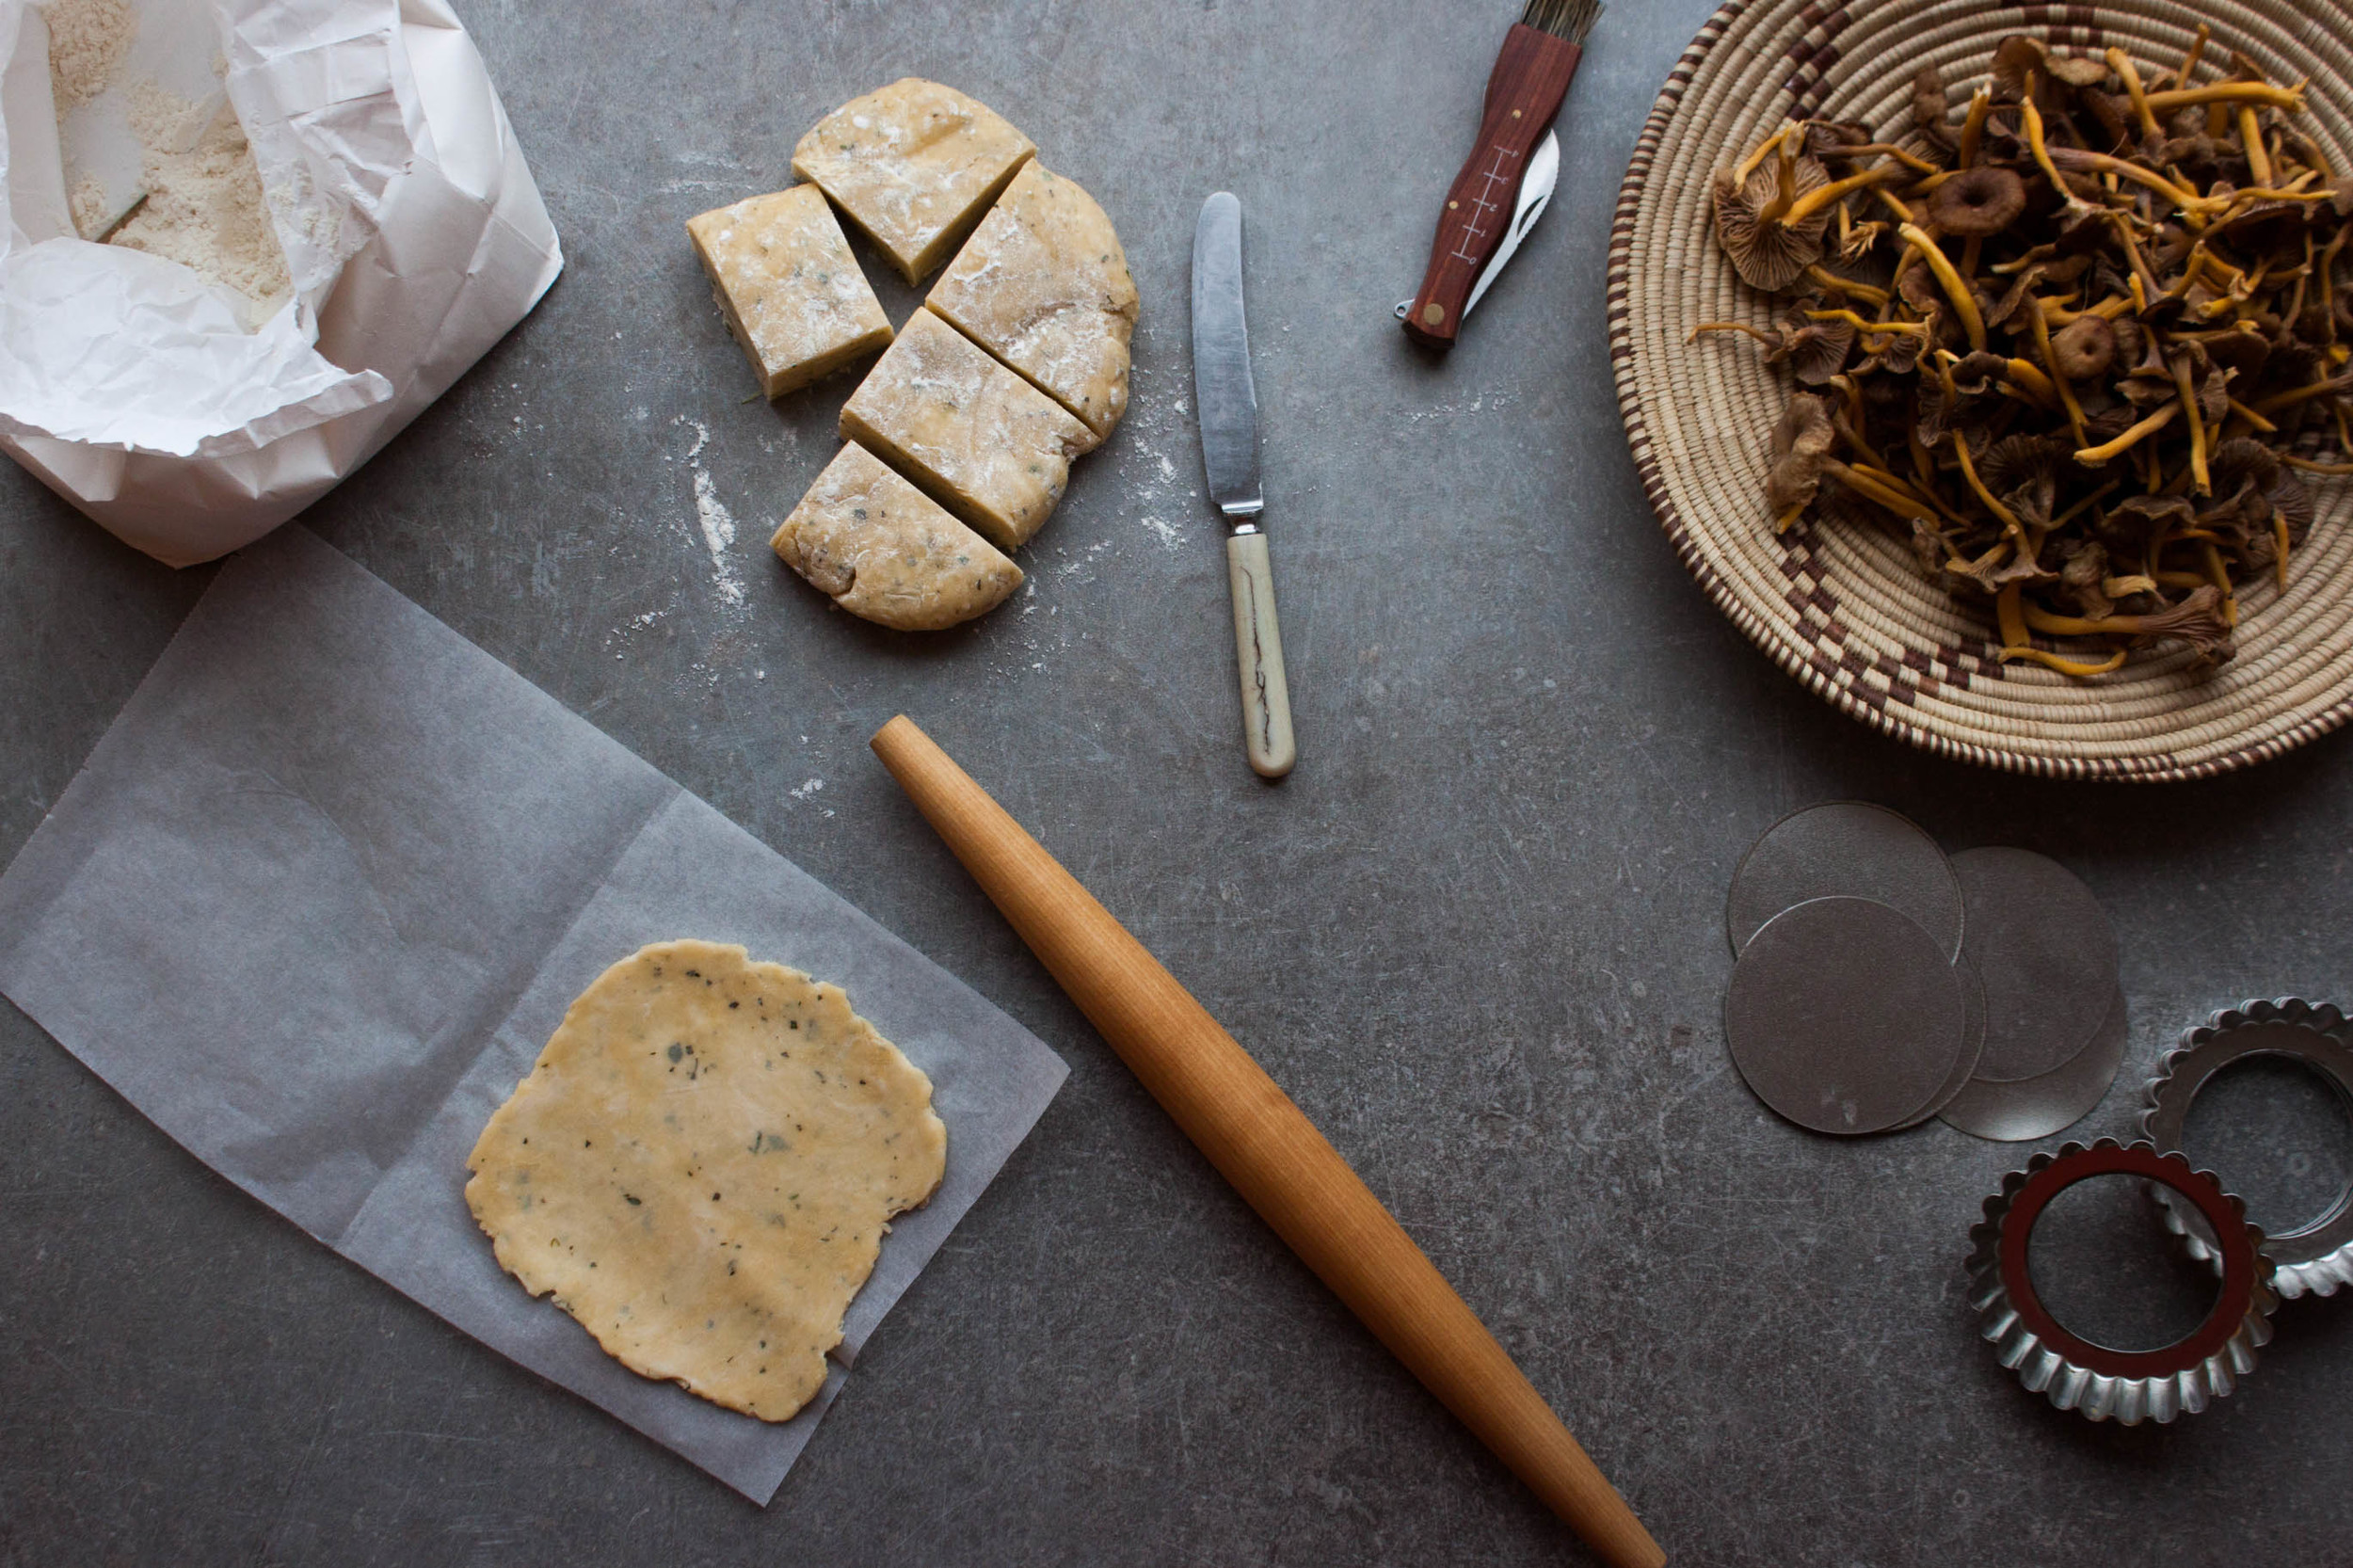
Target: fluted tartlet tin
(2128,1386)
(2318,1255)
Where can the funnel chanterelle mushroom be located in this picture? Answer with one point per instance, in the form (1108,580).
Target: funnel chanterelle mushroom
(2080,341)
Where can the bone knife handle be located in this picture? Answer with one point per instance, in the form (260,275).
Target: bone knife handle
(1266,696)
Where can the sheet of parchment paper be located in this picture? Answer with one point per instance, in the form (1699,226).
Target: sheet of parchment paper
(324,890)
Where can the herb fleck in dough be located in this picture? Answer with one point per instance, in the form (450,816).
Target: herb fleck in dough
(701,1167)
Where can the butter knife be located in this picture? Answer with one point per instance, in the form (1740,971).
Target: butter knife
(1227,405)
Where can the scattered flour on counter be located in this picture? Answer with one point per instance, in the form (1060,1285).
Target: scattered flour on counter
(719,526)
(87,40)
(702,435)
(806,790)
(1170,539)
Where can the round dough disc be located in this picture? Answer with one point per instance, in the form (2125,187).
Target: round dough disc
(2046,954)
(1845,1015)
(701,1166)
(1846,849)
(2037,1107)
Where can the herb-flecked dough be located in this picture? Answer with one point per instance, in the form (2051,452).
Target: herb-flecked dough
(701,1166)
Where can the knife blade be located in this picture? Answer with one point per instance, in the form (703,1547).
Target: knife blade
(1227,403)
(1544,173)
(1223,389)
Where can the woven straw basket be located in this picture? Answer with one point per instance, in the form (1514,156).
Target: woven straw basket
(1852,614)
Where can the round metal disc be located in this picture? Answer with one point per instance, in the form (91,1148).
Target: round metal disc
(1971,1044)
(2045,953)
(1846,849)
(2037,1107)
(1844,1016)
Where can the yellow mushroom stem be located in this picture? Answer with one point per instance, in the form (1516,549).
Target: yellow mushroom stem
(1781,524)
(1828,280)
(1764,150)
(2008,615)
(2122,65)
(1785,191)
(2085,505)
(1972,128)
(2291,98)
(1892,329)
(2092,456)
(1913,161)
(2181,579)
(2076,667)
(2191,56)
(2250,136)
(1924,500)
(2143,276)
(2102,163)
(2125,588)
(2220,577)
(2328,278)
(2197,426)
(1969,471)
(1903,214)
(2303,277)
(2279,401)
(1958,291)
(2058,379)
(2030,375)
(2033,117)
(2052,625)
(2057,315)
(2313,466)
(1901,503)
(1837,190)
(1923,461)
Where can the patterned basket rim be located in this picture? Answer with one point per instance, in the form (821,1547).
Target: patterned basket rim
(2059,762)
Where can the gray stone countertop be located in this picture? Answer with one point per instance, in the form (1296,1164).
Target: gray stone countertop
(1477,934)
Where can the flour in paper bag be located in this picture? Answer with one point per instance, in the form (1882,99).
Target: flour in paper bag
(204,207)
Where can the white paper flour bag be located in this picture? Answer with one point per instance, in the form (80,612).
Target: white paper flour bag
(191,412)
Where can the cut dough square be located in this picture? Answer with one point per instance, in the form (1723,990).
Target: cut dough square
(886,552)
(1044,285)
(913,164)
(988,445)
(793,293)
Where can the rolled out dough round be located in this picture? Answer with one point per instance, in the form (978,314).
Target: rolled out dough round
(701,1167)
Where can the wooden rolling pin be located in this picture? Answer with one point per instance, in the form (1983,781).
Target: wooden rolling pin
(1265,1145)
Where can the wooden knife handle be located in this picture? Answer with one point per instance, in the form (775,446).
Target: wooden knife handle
(1524,92)
(1265,1145)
